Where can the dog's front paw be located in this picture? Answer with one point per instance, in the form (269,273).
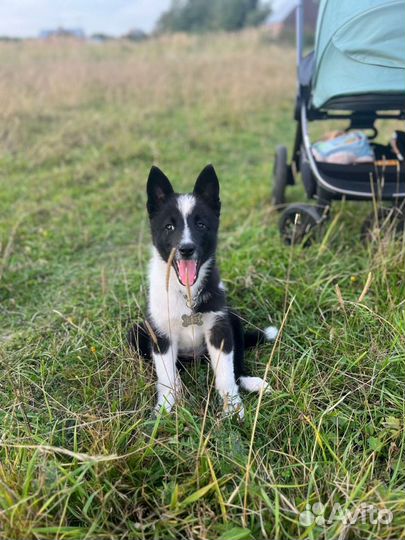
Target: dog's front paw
(165,403)
(160,409)
(168,396)
(233,406)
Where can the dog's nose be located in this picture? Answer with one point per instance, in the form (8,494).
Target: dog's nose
(187,250)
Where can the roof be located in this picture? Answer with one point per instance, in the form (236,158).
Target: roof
(62,32)
(280,10)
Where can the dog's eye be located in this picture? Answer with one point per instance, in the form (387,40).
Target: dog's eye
(170,227)
(201,225)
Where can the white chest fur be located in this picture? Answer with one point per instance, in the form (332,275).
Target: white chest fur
(168,304)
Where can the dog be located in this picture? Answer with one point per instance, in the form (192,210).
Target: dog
(188,314)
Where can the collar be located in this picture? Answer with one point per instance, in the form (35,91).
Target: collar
(192,302)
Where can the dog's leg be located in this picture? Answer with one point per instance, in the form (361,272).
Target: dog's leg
(168,384)
(219,340)
(245,380)
(139,339)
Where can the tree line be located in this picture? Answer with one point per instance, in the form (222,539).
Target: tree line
(211,15)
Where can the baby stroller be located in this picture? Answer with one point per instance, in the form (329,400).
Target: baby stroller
(356,73)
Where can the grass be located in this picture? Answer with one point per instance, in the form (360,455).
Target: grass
(80,457)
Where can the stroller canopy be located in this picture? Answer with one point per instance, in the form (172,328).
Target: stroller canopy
(359,49)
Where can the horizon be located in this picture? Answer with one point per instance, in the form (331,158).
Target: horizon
(28,18)
(109,17)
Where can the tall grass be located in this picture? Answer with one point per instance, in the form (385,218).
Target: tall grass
(80,455)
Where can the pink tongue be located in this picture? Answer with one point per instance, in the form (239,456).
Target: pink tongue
(187,271)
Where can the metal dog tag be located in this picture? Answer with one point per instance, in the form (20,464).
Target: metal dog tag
(194,318)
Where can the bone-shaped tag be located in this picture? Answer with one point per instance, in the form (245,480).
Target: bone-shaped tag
(194,318)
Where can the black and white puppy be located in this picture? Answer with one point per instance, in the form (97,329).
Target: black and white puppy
(188,314)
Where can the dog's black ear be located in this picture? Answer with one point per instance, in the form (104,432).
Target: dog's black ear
(158,189)
(207,187)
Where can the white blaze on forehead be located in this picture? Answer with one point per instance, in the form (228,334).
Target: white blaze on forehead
(185,204)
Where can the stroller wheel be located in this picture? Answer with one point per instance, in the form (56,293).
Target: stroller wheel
(383,224)
(280,175)
(299,224)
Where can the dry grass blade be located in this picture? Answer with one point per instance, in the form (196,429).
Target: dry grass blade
(365,288)
(151,332)
(5,256)
(169,267)
(82,457)
(203,443)
(256,418)
(188,288)
(340,297)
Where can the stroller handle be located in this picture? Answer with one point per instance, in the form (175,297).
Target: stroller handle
(299,30)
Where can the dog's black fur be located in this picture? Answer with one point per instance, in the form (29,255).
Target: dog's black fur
(203,222)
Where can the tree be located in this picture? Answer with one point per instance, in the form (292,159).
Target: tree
(209,15)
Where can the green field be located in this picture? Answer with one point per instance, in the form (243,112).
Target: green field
(80,456)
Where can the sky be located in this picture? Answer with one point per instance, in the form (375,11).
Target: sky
(26,18)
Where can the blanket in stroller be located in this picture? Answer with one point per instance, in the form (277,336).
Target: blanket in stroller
(344,148)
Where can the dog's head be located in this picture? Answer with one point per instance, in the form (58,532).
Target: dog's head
(186,222)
